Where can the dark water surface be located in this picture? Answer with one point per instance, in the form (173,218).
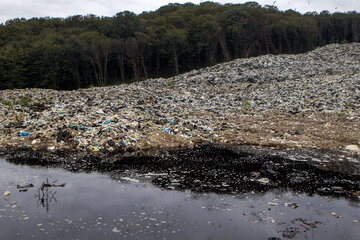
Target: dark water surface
(127,206)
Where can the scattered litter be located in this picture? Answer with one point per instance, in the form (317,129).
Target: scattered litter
(291,205)
(24,134)
(354,148)
(334,214)
(6,193)
(130,179)
(25,186)
(225,103)
(263,180)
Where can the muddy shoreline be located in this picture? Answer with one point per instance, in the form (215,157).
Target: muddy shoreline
(216,168)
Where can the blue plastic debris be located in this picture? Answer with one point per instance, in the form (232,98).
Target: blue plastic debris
(165,129)
(106,122)
(24,134)
(169,120)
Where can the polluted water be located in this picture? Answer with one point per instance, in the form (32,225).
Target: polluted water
(40,202)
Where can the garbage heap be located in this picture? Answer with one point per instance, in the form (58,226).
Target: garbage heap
(309,100)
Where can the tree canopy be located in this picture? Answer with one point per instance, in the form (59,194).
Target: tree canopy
(79,51)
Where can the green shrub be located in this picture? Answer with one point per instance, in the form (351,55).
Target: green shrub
(246,103)
(6,103)
(24,101)
(19,118)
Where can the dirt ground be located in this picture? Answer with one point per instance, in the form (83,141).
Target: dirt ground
(324,131)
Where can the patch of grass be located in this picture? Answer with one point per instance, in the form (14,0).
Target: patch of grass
(19,118)
(24,101)
(7,103)
(246,103)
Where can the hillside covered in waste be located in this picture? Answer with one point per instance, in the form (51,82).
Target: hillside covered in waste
(305,101)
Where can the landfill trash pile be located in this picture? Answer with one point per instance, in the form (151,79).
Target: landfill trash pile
(309,100)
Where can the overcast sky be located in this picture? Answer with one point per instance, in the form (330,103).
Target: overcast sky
(10,9)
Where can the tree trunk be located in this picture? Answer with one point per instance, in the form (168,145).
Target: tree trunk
(121,67)
(132,52)
(143,66)
(176,62)
(96,74)
(157,64)
(223,46)
(105,67)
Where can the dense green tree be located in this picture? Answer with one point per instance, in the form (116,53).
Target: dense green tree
(124,25)
(12,67)
(79,51)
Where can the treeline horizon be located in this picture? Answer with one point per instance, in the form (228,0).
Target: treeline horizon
(82,51)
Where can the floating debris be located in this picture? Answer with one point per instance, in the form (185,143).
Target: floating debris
(6,193)
(129,179)
(291,205)
(334,214)
(25,186)
(263,180)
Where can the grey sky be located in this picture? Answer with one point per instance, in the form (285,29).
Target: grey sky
(63,8)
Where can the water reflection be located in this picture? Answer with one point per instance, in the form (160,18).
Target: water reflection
(45,195)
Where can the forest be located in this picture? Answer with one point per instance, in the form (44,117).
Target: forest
(85,51)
